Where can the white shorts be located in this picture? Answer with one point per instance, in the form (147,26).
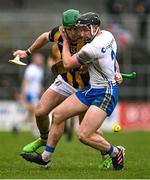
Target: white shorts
(62,87)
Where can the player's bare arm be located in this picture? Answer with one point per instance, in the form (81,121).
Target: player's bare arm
(42,40)
(69,61)
(119,78)
(117,66)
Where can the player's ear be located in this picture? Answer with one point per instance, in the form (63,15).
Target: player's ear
(95,27)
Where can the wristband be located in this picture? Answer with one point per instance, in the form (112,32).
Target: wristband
(28,52)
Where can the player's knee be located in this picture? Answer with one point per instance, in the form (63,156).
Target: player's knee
(82,137)
(39,111)
(56,117)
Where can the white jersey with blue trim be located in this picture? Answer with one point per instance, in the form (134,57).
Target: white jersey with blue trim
(100,55)
(34,75)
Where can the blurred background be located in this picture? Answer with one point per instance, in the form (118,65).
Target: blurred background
(22,21)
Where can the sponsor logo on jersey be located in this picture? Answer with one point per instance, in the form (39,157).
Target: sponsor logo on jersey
(103,50)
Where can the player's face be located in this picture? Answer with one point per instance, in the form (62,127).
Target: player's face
(72,33)
(85,33)
(38,59)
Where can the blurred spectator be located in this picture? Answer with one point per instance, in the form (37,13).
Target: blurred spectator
(32,87)
(115,6)
(122,35)
(142,8)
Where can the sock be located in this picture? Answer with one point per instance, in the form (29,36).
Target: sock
(44,136)
(47,154)
(113,151)
(103,154)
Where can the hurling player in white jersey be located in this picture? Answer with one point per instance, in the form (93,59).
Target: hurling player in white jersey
(101,96)
(98,100)
(32,88)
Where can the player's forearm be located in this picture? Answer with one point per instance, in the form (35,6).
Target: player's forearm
(66,55)
(119,78)
(69,61)
(39,42)
(117,67)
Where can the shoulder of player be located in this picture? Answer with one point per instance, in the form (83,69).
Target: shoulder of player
(93,47)
(95,43)
(106,35)
(54,34)
(103,39)
(105,32)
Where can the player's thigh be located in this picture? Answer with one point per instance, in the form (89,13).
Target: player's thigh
(49,100)
(93,119)
(70,107)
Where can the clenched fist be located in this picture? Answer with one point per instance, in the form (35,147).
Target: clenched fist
(21,53)
(119,78)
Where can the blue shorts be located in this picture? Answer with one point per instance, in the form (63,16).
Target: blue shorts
(104,98)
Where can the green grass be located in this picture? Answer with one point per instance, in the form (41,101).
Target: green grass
(75,160)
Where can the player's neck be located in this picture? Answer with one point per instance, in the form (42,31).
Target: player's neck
(97,34)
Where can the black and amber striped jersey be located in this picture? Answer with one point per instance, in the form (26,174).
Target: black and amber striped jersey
(74,77)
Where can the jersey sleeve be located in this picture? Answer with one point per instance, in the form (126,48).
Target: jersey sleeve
(88,54)
(52,33)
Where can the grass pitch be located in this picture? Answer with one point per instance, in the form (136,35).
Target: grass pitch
(75,160)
